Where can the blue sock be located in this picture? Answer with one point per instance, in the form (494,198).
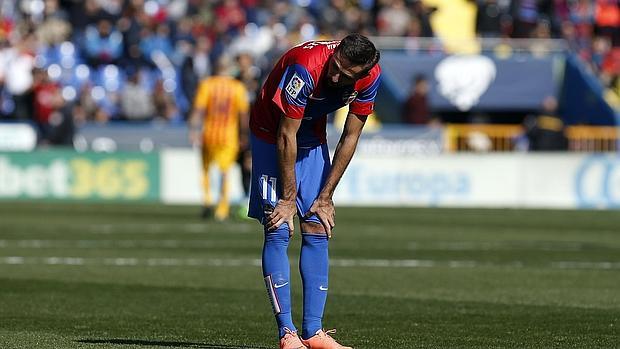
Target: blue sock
(277,271)
(314,268)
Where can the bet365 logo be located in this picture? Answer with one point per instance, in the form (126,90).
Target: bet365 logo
(75,178)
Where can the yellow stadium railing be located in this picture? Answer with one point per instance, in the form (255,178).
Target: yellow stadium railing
(481,137)
(592,138)
(504,138)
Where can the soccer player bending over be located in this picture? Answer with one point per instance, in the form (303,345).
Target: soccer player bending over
(292,173)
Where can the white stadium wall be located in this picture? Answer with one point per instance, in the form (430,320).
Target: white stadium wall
(493,180)
(182,182)
(459,180)
(448,180)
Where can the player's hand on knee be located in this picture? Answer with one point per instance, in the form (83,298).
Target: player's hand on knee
(291,226)
(283,212)
(325,211)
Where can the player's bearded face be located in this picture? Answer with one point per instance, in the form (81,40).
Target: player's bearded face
(341,72)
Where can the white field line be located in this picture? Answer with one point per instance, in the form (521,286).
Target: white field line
(131,261)
(87,244)
(497,246)
(585,265)
(205,243)
(249,262)
(159,228)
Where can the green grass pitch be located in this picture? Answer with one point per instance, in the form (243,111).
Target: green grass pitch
(151,276)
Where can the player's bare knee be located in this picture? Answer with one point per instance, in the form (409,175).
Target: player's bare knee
(312,228)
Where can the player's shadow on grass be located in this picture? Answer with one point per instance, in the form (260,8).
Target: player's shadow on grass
(165,344)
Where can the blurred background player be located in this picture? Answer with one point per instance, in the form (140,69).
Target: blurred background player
(221,104)
(292,173)
(244,160)
(249,74)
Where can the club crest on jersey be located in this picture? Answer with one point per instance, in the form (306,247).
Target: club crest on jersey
(348,98)
(294,86)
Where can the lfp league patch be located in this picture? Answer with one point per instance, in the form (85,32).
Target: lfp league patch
(294,86)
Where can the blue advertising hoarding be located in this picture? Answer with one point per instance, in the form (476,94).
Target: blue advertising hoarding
(473,82)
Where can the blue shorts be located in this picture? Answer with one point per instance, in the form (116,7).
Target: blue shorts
(311,170)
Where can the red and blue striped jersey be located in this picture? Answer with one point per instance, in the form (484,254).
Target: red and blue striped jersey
(296,88)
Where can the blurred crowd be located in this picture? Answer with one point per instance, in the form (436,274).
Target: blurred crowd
(590,27)
(65,62)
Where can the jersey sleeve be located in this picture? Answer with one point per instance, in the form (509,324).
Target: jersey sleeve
(293,91)
(200,100)
(365,101)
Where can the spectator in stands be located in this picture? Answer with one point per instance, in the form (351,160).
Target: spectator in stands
(18,63)
(542,31)
(104,44)
(158,42)
(489,18)
(88,108)
(525,14)
(330,15)
(249,74)
(416,109)
(423,14)
(86,103)
(55,28)
(393,19)
(53,115)
(560,11)
(202,58)
(102,116)
(545,132)
(165,108)
(582,17)
(130,25)
(61,126)
(184,61)
(136,101)
(231,16)
(183,30)
(601,47)
(607,20)
(84,13)
(47,99)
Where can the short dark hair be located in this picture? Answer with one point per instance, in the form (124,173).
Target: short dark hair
(359,50)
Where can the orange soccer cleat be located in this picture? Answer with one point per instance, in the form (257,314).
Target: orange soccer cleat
(291,341)
(323,340)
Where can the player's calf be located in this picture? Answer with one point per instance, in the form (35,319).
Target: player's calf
(276,271)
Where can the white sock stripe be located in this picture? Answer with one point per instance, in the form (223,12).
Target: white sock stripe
(275,303)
